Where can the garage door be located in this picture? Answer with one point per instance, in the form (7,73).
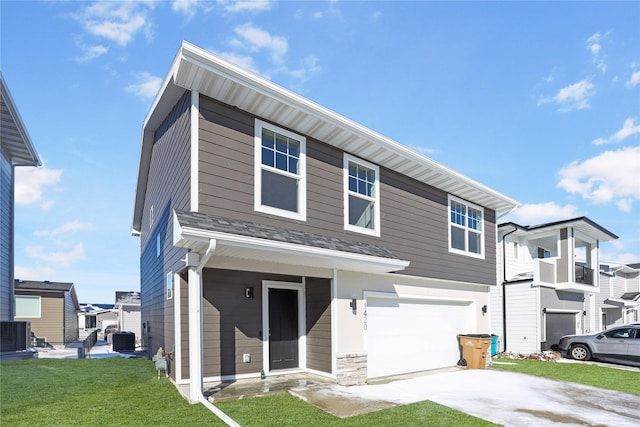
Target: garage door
(410,335)
(558,325)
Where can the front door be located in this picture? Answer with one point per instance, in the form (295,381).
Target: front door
(283,328)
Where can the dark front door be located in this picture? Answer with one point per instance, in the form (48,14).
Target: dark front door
(283,328)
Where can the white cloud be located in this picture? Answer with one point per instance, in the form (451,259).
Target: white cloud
(594,45)
(147,85)
(243,61)
(57,259)
(91,52)
(187,7)
(613,176)
(634,80)
(246,5)
(116,21)
(255,39)
(33,273)
(67,228)
(541,213)
(573,97)
(30,183)
(629,128)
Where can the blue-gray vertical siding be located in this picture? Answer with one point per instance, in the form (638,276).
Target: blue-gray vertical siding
(168,188)
(6,238)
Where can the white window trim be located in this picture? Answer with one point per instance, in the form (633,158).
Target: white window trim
(32,298)
(169,286)
(376,199)
(301,215)
(466,235)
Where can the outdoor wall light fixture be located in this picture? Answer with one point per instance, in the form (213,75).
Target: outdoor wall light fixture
(353,305)
(484,309)
(248,292)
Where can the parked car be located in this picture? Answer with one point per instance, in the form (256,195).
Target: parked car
(620,342)
(108,330)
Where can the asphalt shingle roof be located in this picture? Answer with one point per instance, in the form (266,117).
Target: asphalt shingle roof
(260,231)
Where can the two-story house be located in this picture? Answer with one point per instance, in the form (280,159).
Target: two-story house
(16,149)
(544,292)
(618,302)
(278,236)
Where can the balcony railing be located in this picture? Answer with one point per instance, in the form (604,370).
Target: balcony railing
(584,275)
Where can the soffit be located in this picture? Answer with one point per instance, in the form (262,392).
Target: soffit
(198,70)
(13,134)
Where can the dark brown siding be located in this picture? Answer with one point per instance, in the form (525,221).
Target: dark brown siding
(232,323)
(168,188)
(414,216)
(318,292)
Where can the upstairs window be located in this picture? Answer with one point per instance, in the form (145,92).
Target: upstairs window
(466,235)
(280,172)
(361,196)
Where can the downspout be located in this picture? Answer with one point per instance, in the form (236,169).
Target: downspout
(504,289)
(195,338)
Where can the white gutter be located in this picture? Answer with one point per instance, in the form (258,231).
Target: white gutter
(195,337)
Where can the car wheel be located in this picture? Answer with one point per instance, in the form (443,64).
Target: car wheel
(580,352)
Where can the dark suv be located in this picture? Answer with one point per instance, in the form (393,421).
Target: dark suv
(620,342)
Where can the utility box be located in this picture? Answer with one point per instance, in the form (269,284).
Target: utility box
(15,336)
(123,341)
(474,349)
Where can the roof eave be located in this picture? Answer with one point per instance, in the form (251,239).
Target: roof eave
(237,246)
(22,151)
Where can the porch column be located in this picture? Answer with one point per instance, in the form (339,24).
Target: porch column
(195,334)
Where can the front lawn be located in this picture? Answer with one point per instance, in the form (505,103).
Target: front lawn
(581,373)
(126,392)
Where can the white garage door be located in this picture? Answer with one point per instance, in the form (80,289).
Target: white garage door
(410,335)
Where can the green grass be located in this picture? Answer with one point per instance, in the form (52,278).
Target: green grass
(92,392)
(286,410)
(126,392)
(581,373)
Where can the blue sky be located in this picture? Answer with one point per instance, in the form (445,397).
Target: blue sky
(538,100)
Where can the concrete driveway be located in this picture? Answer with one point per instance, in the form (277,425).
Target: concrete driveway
(506,398)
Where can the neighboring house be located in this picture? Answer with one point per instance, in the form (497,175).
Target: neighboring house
(545,293)
(128,308)
(618,302)
(51,307)
(97,316)
(16,150)
(278,236)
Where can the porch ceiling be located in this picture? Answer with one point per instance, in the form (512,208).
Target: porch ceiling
(196,232)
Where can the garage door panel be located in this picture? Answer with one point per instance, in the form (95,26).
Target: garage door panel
(409,335)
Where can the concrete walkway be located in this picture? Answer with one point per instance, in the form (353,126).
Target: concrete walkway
(511,399)
(505,398)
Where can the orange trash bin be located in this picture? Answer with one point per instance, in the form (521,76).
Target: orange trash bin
(474,349)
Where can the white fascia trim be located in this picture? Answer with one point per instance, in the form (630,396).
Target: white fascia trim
(225,239)
(206,60)
(390,295)
(177,325)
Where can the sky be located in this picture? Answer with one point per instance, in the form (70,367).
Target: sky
(537,100)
